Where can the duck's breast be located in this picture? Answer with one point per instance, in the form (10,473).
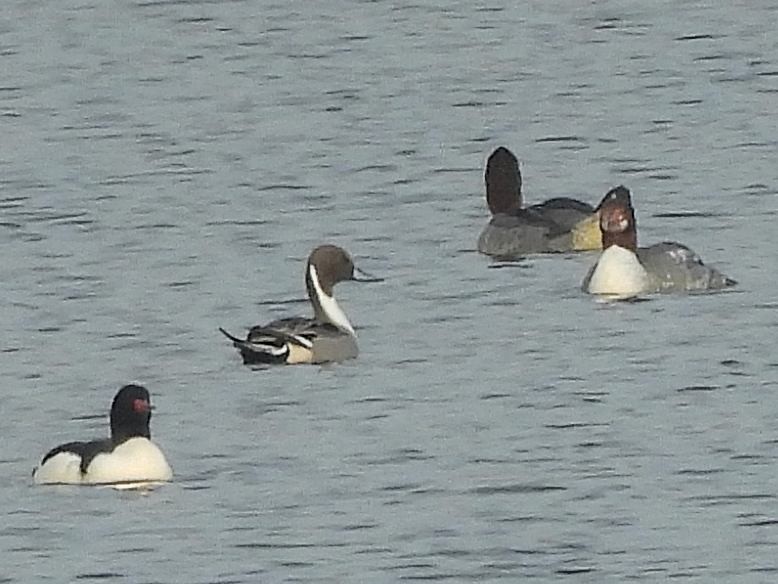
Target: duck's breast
(137,459)
(617,272)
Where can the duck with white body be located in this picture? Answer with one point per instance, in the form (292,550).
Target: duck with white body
(128,456)
(625,270)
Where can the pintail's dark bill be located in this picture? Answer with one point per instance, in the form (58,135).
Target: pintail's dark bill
(363,276)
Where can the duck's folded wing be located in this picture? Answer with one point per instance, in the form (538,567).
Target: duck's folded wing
(277,337)
(281,341)
(262,339)
(563,211)
(295,325)
(675,267)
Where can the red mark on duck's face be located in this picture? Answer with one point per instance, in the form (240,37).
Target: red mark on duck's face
(615,219)
(141,406)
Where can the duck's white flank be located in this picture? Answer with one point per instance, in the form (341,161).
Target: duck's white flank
(62,468)
(137,459)
(618,272)
(330,306)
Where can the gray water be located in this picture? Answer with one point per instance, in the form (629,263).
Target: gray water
(167,166)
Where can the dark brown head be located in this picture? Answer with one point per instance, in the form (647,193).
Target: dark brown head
(617,219)
(332,264)
(503,182)
(130,414)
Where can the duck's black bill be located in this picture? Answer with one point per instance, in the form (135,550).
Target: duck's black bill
(363,276)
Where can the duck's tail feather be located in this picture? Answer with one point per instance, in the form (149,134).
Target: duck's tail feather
(234,339)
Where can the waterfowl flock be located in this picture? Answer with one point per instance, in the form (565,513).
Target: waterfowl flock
(622,270)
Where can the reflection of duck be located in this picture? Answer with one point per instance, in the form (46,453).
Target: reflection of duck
(328,336)
(623,269)
(557,225)
(128,456)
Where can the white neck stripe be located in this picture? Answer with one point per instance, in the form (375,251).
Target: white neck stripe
(329,306)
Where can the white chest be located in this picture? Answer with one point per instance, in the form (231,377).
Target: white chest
(332,311)
(137,459)
(618,272)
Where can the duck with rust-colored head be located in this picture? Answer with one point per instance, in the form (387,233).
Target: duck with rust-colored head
(625,270)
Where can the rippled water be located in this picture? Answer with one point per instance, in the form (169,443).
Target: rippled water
(166,167)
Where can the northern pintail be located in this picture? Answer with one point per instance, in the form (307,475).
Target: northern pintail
(623,269)
(328,336)
(128,456)
(557,225)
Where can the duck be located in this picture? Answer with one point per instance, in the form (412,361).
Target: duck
(128,456)
(327,337)
(561,224)
(625,270)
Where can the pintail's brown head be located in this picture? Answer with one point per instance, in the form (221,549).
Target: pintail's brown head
(617,219)
(503,182)
(332,264)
